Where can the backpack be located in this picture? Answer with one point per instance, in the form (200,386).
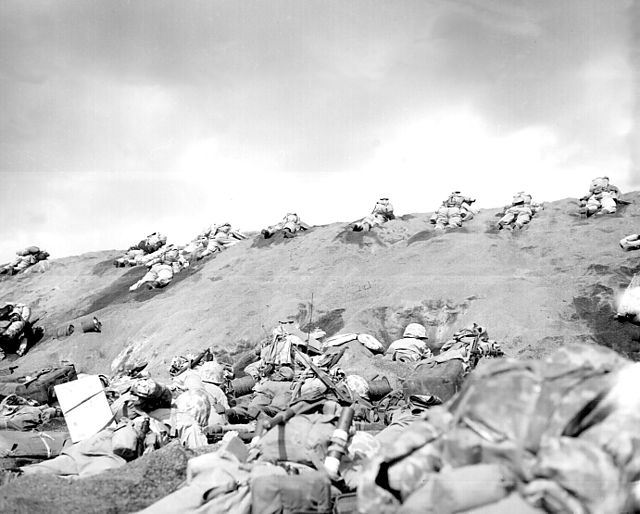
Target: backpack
(303,439)
(442,379)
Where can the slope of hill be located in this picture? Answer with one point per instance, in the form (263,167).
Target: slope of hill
(552,283)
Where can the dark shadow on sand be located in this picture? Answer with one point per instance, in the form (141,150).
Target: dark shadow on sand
(278,238)
(361,239)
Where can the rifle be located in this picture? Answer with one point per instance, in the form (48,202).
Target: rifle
(474,355)
(310,321)
(200,357)
(195,361)
(324,378)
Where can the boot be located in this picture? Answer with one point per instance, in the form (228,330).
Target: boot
(287,233)
(22,349)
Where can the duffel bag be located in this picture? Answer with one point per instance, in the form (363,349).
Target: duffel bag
(44,445)
(442,379)
(40,386)
(304,493)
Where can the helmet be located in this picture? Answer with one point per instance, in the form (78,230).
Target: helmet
(480,330)
(286,373)
(212,372)
(358,385)
(415,330)
(193,381)
(145,388)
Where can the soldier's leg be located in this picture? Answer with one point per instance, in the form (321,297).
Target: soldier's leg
(164,277)
(455,218)
(609,205)
(507,219)
(523,219)
(14,330)
(441,219)
(291,227)
(22,349)
(631,242)
(149,277)
(592,206)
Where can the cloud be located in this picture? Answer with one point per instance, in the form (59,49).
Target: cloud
(124,112)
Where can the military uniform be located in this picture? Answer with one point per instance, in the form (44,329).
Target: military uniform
(412,346)
(453,211)
(382,212)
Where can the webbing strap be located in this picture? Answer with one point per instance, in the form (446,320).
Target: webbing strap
(43,437)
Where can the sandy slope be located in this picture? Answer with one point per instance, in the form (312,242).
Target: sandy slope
(552,283)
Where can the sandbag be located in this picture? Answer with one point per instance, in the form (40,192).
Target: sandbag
(371,343)
(44,445)
(438,379)
(307,492)
(40,386)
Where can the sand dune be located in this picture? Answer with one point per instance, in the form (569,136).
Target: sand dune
(552,283)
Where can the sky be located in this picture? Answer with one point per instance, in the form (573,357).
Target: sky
(120,118)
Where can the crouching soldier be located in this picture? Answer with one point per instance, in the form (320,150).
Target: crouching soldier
(17,330)
(159,275)
(469,345)
(603,197)
(162,268)
(453,211)
(25,259)
(520,212)
(631,242)
(195,410)
(382,212)
(136,253)
(220,237)
(412,346)
(289,225)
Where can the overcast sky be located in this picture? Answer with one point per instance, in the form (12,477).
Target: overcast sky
(119,118)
